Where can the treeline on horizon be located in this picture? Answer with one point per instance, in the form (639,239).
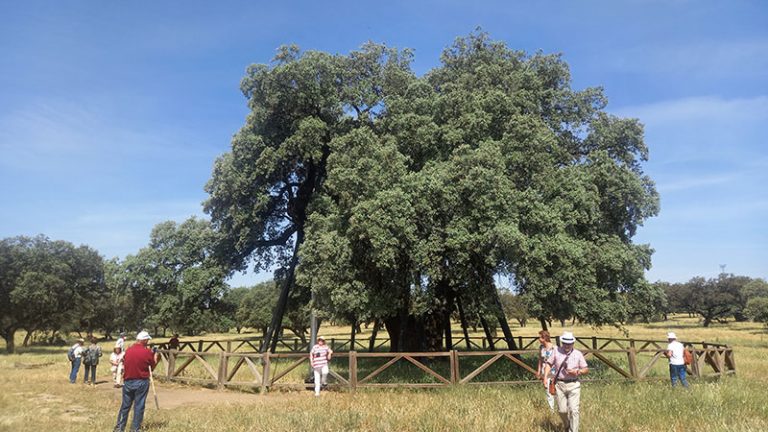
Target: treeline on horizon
(52,288)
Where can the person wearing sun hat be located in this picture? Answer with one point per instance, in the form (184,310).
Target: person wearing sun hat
(676,358)
(137,363)
(568,364)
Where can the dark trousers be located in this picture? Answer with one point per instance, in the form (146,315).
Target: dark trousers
(134,393)
(90,369)
(677,372)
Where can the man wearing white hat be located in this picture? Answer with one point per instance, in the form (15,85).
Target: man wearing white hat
(675,354)
(568,365)
(137,363)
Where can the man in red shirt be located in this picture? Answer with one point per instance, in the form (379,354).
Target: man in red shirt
(137,363)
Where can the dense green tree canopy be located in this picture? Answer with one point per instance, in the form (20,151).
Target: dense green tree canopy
(45,284)
(405,195)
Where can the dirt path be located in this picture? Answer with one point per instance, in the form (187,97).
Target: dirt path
(173,396)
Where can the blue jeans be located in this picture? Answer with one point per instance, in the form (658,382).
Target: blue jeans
(75,370)
(90,369)
(677,372)
(134,393)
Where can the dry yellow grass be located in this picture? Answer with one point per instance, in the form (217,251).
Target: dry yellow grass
(40,399)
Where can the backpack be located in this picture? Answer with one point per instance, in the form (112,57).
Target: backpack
(687,357)
(71,354)
(91,356)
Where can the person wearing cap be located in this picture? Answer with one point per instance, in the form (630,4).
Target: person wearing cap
(75,359)
(319,356)
(567,365)
(116,362)
(676,358)
(137,362)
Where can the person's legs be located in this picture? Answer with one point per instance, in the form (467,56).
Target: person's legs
(142,389)
(550,397)
(318,380)
(673,374)
(324,375)
(74,371)
(574,400)
(562,403)
(681,375)
(86,371)
(129,394)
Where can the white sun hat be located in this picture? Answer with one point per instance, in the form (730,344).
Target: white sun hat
(671,335)
(567,338)
(143,335)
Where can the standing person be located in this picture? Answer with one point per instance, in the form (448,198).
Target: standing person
(75,356)
(120,342)
(568,365)
(173,343)
(91,360)
(546,350)
(116,360)
(675,354)
(138,361)
(319,356)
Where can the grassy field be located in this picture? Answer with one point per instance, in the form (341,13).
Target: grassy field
(35,396)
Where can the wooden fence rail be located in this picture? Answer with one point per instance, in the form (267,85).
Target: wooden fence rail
(296,345)
(633,361)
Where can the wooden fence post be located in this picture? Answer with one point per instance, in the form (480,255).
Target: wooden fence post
(594,342)
(265,373)
(353,370)
(222,378)
(632,357)
(229,346)
(171,364)
(454,369)
(200,346)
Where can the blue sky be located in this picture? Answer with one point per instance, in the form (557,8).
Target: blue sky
(112,113)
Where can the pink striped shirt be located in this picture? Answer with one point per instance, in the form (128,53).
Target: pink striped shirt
(319,355)
(576,360)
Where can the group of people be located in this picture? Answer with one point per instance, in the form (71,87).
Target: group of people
(560,368)
(131,370)
(89,357)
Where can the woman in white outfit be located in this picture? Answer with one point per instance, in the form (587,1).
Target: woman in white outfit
(116,362)
(319,356)
(546,350)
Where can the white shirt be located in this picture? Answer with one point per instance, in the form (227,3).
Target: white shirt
(675,349)
(78,350)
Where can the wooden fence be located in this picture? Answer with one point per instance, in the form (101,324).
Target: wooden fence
(609,359)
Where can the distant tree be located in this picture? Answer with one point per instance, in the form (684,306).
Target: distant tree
(757,309)
(174,282)
(515,307)
(648,303)
(42,284)
(755,288)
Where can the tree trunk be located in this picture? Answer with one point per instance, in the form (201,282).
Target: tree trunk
(277,316)
(374,333)
(503,322)
(488,334)
(707,321)
(27,338)
(8,334)
(543,324)
(463,319)
(352,336)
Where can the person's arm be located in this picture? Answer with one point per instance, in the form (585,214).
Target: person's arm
(330,354)
(538,369)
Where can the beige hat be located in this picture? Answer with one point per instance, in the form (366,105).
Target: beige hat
(567,338)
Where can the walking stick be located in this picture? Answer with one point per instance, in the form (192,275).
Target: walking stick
(154,393)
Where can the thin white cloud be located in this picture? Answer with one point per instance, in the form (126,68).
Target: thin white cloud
(694,109)
(50,134)
(688,183)
(714,58)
